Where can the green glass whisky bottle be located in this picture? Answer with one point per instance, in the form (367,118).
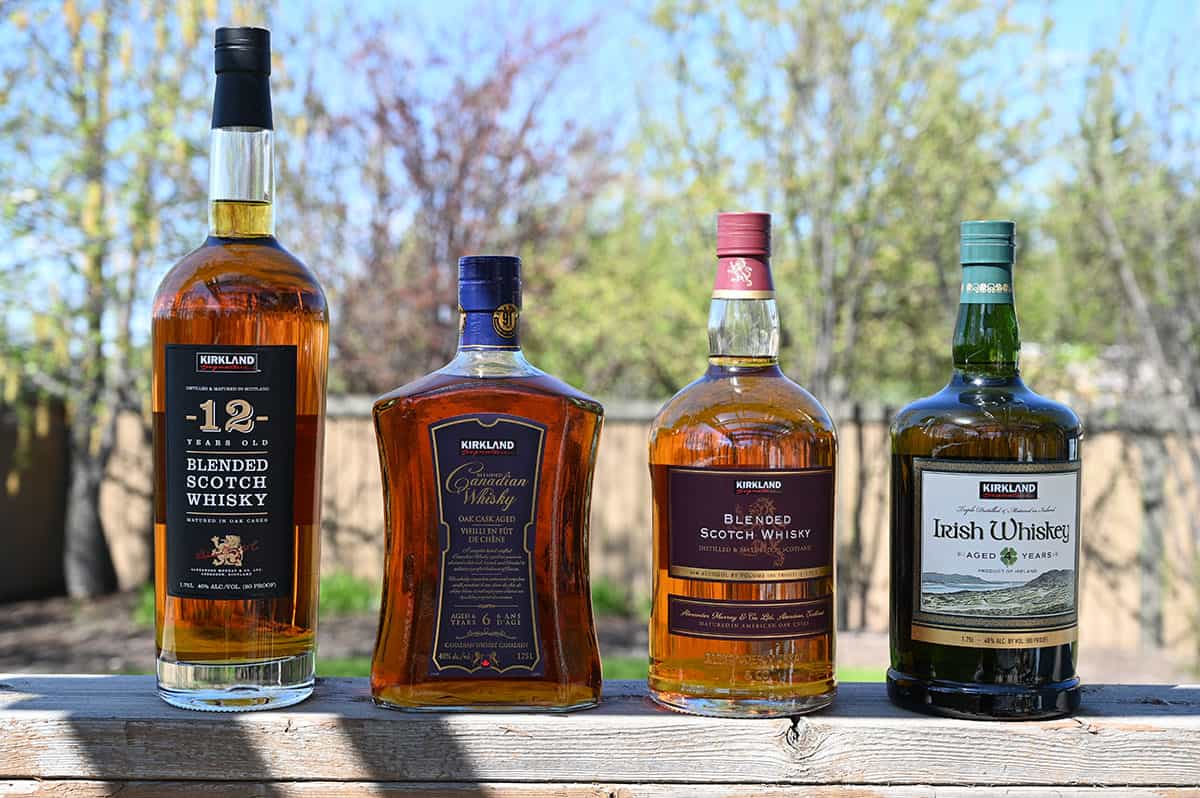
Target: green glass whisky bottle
(985,521)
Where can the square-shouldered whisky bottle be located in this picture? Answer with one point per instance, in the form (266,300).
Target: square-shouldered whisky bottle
(487,473)
(742,464)
(985,520)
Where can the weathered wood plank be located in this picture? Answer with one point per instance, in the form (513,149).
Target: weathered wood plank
(114,728)
(342,789)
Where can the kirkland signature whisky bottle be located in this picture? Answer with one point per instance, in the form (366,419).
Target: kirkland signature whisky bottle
(487,476)
(240,337)
(742,464)
(985,521)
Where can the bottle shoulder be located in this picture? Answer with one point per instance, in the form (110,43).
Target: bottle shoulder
(774,405)
(963,412)
(242,274)
(459,393)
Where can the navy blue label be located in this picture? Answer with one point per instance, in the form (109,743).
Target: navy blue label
(487,467)
(496,329)
(230,450)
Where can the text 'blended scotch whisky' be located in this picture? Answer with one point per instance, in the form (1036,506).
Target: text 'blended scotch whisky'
(742,464)
(487,476)
(241,347)
(985,521)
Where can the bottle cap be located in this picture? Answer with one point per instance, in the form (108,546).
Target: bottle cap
(988,242)
(743,234)
(487,282)
(243,50)
(243,65)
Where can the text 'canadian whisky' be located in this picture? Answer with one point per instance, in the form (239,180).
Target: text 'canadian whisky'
(742,465)
(487,476)
(985,521)
(240,338)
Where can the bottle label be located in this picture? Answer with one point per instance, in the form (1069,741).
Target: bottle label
(743,278)
(998,553)
(719,619)
(750,526)
(230,443)
(487,468)
(497,329)
(986,285)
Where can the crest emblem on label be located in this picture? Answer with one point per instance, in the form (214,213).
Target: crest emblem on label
(504,320)
(743,278)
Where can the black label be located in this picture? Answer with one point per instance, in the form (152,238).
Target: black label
(487,467)
(230,449)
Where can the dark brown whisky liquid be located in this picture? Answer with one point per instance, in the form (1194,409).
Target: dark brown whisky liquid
(401,668)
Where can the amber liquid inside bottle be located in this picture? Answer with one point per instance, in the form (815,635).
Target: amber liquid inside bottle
(242,288)
(712,649)
(402,673)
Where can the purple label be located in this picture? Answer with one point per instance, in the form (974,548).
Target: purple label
(750,526)
(487,468)
(719,619)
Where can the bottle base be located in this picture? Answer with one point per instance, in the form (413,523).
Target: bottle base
(742,707)
(237,687)
(971,701)
(486,708)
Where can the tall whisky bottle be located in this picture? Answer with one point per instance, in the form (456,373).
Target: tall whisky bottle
(985,521)
(240,339)
(742,465)
(487,475)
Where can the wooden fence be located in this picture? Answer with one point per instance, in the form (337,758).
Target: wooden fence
(1139,574)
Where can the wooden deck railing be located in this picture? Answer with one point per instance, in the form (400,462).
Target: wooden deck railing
(108,735)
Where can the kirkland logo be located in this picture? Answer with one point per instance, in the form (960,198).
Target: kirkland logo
(227,361)
(1008,490)
(757,485)
(470,447)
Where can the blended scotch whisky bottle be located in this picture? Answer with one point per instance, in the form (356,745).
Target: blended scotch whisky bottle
(487,476)
(742,465)
(240,338)
(985,521)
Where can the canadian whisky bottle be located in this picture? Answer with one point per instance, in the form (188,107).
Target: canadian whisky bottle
(240,342)
(487,475)
(742,465)
(985,520)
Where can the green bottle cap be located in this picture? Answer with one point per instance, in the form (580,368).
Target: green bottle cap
(988,242)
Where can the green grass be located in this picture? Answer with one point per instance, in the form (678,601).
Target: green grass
(609,598)
(345,594)
(343,666)
(143,611)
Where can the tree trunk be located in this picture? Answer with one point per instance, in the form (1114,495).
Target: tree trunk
(87,563)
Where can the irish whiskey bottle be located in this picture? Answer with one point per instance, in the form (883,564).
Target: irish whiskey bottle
(487,475)
(985,521)
(742,465)
(240,339)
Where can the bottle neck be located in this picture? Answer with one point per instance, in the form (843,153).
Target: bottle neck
(489,345)
(241,183)
(743,321)
(987,341)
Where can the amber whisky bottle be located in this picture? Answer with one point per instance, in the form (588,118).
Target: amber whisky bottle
(240,343)
(487,474)
(985,521)
(742,465)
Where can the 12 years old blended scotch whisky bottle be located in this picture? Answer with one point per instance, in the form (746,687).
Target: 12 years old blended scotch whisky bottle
(985,521)
(487,475)
(742,465)
(240,338)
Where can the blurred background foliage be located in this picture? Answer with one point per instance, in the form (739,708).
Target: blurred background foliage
(598,141)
